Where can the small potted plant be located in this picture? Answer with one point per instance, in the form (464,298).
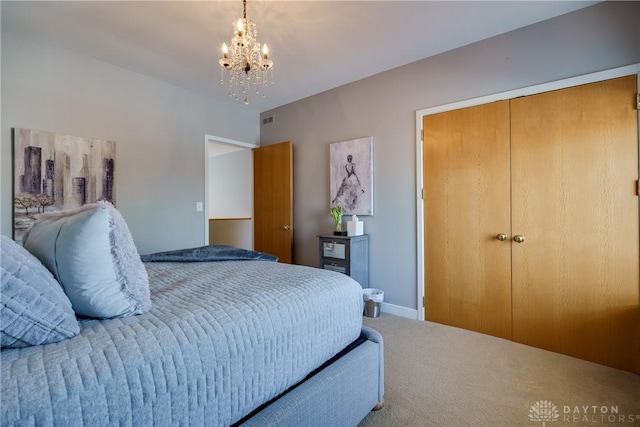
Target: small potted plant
(336,213)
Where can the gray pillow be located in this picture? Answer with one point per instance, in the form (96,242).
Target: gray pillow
(92,254)
(34,308)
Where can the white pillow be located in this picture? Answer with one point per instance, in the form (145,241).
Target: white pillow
(91,253)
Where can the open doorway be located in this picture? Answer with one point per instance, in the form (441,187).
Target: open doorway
(229,192)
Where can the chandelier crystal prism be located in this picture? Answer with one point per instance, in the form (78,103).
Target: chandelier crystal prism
(245,63)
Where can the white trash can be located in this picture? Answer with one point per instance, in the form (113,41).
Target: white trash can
(372,301)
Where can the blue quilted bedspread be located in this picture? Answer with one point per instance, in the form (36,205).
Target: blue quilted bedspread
(221,339)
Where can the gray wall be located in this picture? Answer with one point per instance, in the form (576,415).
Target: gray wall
(601,37)
(231,185)
(159,131)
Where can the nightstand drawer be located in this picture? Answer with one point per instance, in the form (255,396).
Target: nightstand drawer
(334,250)
(335,267)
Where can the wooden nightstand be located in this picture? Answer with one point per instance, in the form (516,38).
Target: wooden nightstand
(346,254)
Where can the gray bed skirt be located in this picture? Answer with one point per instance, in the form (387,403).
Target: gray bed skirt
(341,394)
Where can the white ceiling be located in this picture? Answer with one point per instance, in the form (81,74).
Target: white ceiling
(315,45)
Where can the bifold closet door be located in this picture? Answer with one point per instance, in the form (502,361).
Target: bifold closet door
(574,170)
(466,205)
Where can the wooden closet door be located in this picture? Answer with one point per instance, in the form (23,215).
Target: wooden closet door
(574,171)
(466,205)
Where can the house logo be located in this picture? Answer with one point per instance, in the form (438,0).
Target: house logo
(543,411)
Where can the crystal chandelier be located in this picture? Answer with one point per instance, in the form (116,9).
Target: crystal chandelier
(247,65)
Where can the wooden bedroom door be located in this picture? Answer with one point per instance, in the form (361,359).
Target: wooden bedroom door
(574,174)
(467,205)
(273,200)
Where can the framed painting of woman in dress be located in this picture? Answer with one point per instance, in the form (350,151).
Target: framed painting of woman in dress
(351,175)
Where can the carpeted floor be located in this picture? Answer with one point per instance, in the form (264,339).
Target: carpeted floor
(437,375)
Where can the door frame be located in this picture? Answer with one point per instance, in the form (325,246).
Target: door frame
(531,90)
(217,139)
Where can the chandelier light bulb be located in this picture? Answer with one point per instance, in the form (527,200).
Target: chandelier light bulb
(240,27)
(265,51)
(225,50)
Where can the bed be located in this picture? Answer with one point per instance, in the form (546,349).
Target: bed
(232,341)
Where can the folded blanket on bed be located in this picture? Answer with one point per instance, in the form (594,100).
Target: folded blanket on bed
(208,253)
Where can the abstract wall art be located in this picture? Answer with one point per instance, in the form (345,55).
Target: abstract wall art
(56,172)
(351,175)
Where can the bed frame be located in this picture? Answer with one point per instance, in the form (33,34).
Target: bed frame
(340,393)
(203,357)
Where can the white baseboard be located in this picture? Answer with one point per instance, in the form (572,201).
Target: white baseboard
(398,310)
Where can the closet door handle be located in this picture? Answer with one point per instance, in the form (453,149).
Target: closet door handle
(502,237)
(518,238)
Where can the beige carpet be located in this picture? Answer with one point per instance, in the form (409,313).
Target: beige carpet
(437,375)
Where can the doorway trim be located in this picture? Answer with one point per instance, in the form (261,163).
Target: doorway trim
(215,139)
(530,90)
